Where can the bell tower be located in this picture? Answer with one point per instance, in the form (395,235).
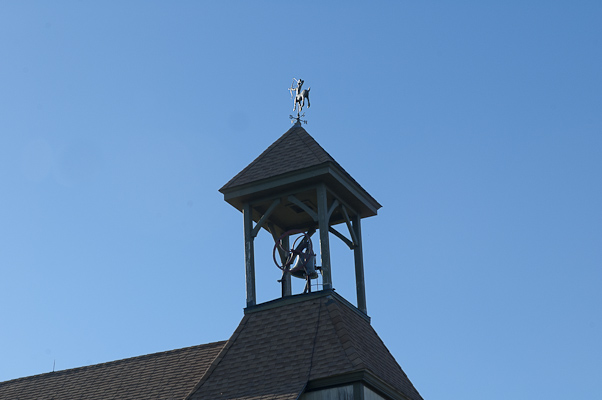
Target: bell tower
(296,187)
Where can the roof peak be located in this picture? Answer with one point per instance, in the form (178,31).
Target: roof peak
(296,149)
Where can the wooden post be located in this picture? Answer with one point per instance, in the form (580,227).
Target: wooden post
(276,232)
(358,391)
(359,265)
(323,225)
(249,255)
(287,288)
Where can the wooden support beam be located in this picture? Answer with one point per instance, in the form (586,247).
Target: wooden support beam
(286,278)
(333,207)
(276,233)
(349,227)
(358,391)
(324,239)
(304,207)
(265,217)
(249,255)
(287,286)
(342,237)
(359,265)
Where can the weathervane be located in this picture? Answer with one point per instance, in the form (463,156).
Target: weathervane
(299,97)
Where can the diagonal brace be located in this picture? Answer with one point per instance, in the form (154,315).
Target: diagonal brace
(342,237)
(351,230)
(264,218)
(333,207)
(303,206)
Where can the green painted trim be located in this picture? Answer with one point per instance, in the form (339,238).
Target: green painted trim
(249,255)
(325,172)
(358,391)
(359,192)
(289,178)
(285,193)
(298,298)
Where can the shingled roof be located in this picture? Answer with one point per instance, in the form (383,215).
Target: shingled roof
(294,150)
(160,376)
(281,346)
(279,349)
(296,160)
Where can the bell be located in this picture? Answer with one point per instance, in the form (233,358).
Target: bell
(310,267)
(304,265)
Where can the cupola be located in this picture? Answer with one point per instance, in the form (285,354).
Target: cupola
(296,186)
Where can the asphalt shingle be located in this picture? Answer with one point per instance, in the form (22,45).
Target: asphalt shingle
(169,375)
(273,354)
(276,352)
(294,150)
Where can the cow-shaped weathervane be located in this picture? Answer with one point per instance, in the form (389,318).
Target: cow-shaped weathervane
(299,97)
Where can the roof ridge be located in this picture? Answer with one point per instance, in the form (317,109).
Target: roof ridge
(311,143)
(405,386)
(219,357)
(106,363)
(394,359)
(295,150)
(340,327)
(259,157)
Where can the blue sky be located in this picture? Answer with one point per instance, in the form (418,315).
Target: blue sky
(477,125)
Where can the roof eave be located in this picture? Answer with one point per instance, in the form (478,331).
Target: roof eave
(328,171)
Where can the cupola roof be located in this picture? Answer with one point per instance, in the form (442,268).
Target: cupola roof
(296,159)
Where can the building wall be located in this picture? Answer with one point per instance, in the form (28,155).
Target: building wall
(337,393)
(342,393)
(371,395)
